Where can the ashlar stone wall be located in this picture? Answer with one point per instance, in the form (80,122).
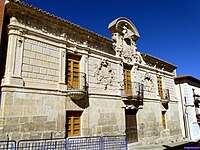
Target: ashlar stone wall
(40,65)
(31,104)
(28,114)
(150,125)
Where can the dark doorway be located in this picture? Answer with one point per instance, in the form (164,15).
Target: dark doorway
(131,125)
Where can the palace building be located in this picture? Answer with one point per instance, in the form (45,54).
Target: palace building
(59,79)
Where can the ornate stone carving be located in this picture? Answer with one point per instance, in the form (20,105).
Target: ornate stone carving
(138,58)
(104,73)
(148,83)
(117,44)
(127,33)
(124,35)
(128,55)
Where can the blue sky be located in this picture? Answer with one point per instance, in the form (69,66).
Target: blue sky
(169,29)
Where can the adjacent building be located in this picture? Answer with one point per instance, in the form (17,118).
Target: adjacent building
(61,80)
(188,92)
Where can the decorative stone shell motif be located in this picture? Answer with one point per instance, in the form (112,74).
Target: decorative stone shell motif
(104,73)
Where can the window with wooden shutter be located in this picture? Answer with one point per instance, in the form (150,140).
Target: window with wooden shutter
(127,80)
(73,123)
(164,119)
(73,76)
(160,89)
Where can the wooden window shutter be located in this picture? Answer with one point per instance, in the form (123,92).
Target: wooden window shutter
(73,70)
(164,119)
(160,89)
(73,123)
(127,80)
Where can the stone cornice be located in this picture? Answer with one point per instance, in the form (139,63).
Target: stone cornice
(158,63)
(49,24)
(154,70)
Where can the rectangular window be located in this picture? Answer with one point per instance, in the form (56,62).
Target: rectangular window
(73,75)
(127,80)
(160,89)
(73,123)
(164,119)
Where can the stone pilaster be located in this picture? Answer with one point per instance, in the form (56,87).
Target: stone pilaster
(62,69)
(14,55)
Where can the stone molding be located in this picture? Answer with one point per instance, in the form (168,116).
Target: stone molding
(61,30)
(153,70)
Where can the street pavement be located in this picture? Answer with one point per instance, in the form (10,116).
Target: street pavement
(167,146)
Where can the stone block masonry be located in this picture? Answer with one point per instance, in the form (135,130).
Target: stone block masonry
(40,63)
(29,115)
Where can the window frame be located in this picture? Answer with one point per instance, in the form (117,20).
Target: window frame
(164,124)
(160,87)
(71,121)
(127,79)
(73,71)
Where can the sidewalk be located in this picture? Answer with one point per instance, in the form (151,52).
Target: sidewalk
(167,146)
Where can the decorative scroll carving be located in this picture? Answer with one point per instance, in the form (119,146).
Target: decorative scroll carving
(127,33)
(138,58)
(117,44)
(128,55)
(148,83)
(104,73)
(124,35)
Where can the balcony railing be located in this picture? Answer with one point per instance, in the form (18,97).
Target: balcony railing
(165,98)
(77,85)
(196,98)
(133,91)
(198,118)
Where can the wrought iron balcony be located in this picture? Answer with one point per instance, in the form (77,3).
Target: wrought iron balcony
(76,85)
(165,98)
(133,91)
(196,99)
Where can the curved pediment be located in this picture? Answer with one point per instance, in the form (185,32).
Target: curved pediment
(122,25)
(124,36)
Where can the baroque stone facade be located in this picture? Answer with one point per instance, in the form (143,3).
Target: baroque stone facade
(57,71)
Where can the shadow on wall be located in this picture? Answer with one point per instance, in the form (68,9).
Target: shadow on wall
(83,103)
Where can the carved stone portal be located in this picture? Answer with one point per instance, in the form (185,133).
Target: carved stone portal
(124,35)
(104,73)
